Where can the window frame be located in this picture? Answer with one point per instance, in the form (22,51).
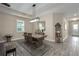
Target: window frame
(20,25)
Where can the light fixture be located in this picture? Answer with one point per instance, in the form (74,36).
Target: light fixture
(34,18)
(74,19)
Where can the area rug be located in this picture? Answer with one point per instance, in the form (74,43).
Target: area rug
(34,51)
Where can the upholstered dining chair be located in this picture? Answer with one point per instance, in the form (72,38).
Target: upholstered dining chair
(10,47)
(29,37)
(32,40)
(35,42)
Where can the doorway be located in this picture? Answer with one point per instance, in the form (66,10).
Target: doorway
(74,28)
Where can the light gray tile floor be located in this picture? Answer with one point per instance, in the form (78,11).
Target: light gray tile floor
(70,47)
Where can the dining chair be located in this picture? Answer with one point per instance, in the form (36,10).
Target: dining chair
(25,35)
(10,47)
(29,37)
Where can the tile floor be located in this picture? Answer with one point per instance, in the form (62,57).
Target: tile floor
(70,47)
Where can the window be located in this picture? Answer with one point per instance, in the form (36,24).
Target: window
(75,26)
(20,26)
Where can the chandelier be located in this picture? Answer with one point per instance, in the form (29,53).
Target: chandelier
(34,17)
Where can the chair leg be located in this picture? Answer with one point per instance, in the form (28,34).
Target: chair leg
(15,52)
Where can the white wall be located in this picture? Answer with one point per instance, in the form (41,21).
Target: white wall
(8,25)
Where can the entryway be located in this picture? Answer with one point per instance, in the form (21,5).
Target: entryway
(74,28)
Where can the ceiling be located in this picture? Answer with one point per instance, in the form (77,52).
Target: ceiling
(27,7)
(66,8)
